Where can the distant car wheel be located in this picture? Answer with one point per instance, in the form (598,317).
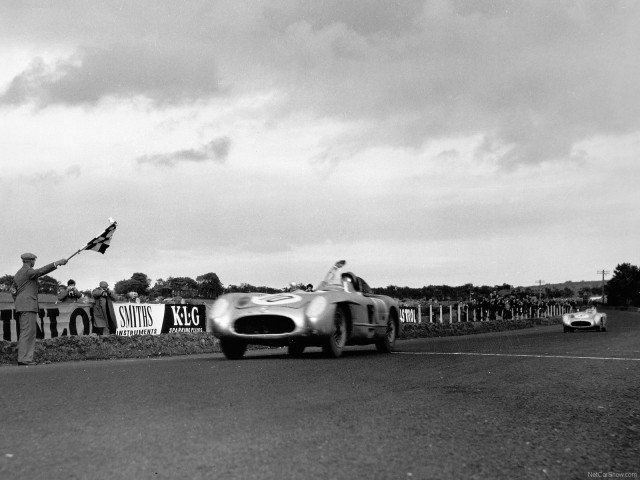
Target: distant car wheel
(597,328)
(233,349)
(603,329)
(337,339)
(566,329)
(296,349)
(386,344)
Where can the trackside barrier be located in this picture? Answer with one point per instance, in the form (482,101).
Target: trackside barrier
(460,313)
(70,319)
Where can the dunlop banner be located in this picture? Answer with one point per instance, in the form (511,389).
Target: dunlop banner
(64,319)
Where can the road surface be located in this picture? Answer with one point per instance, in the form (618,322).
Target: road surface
(527,404)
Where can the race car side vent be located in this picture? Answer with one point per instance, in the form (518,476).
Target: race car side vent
(264,325)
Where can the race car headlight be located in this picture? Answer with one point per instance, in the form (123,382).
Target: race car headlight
(219,308)
(315,308)
(243,301)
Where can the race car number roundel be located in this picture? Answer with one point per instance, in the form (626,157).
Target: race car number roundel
(277,299)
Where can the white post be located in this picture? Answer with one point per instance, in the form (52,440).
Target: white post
(419,314)
(450,313)
(459,318)
(440,313)
(430,313)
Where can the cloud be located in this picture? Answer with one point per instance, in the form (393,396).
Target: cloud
(531,78)
(216,150)
(51,177)
(534,78)
(166,75)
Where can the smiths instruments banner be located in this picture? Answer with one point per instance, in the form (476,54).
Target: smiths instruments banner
(63,319)
(155,318)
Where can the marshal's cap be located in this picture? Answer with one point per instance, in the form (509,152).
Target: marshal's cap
(28,256)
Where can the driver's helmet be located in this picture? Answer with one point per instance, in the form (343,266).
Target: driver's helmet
(351,280)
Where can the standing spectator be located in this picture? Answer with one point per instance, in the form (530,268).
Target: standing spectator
(26,302)
(70,293)
(103,312)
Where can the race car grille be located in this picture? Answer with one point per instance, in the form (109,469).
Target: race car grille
(580,323)
(264,324)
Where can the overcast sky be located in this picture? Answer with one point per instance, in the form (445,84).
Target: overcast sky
(438,142)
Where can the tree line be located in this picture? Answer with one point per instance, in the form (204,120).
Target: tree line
(468,292)
(622,289)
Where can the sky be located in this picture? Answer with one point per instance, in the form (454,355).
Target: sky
(425,142)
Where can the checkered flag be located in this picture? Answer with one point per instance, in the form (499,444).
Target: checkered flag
(102,241)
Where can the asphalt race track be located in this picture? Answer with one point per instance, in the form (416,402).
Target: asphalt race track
(529,404)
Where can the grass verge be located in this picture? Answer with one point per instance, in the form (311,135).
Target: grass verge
(66,349)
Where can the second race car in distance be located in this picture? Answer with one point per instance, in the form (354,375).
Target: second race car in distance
(588,318)
(340,311)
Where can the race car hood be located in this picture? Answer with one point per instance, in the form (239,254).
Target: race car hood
(287,299)
(581,315)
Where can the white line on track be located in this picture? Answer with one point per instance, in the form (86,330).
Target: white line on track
(517,355)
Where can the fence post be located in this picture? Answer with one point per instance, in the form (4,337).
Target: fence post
(440,313)
(450,313)
(459,318)
(419,314)
(430,313)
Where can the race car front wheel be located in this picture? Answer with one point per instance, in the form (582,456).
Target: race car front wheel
(233,349)
(296,349)
(335,342)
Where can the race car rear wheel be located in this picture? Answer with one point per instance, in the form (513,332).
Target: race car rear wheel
(385,345)
(233,349)
(337,339)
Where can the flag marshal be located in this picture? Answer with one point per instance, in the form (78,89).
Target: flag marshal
(102,241)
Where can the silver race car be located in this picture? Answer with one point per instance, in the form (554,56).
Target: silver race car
(340,311)
(586,319)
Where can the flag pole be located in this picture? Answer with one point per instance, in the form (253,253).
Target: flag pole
(69,258)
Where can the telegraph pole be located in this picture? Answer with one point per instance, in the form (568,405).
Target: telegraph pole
(603,272)
(540,289)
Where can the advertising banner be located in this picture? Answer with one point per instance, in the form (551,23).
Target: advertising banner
(408,314)
(156,318)
(65,319)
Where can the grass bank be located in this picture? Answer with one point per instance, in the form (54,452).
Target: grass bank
(66,349)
